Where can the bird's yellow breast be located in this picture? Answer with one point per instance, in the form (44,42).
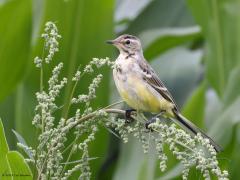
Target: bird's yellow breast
(149,100)
(136,92)
(139,95)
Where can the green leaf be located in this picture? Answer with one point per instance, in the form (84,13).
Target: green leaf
(159,14)
(233,86)
(157,41)
(127,10)
(225,127)
(195,106)
(226,119)
(232,152)
(22,141)
(18,166)
(158,29)
(3,151)
(84,27)
(172,173)
(133,163)
(12,163)
(222,38)
(15,34)
(180,70)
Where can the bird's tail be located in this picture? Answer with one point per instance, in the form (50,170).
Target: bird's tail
(192,128)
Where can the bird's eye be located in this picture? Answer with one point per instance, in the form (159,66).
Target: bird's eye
(127,42)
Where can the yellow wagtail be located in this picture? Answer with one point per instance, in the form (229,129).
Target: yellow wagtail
(140,87)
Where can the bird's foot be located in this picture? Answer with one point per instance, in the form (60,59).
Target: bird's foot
(152,120)
(128,115)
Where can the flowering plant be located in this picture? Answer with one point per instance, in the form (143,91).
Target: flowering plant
(52,156)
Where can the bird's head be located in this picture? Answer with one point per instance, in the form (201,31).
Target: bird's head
(127,44)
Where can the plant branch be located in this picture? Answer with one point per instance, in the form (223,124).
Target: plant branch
(91,115)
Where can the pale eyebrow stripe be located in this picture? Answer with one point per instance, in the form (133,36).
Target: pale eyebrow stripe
(130,37)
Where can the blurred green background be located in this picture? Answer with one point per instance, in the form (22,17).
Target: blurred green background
(193,45)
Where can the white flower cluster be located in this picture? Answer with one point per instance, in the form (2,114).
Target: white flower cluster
(84,98)
(137,131)
(46,101)
(48,156)
(38,62)
(118,126)
(77,76)
(85,169)
(98,63)
(54,87)
(51,37)
(89,127)
(51,140)
(208,164)
(54,154)
(189,151)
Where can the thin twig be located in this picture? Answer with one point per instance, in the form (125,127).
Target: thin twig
(91,115)
(71,96)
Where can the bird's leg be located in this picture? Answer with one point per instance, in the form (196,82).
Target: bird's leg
(153,119)
(128,113)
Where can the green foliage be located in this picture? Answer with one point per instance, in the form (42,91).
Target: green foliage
(220,26)
(12,163)
(221,35)
(3,151)
(194,108)
(15,35)
(233,87)
(162,25)
(161,14)
(162,40)
(84,32)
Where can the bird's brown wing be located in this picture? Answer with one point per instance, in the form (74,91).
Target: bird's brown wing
(152,79)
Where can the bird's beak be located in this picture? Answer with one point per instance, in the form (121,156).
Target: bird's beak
(111,41)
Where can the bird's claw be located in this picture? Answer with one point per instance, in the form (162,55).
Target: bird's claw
(128,115)
(153,120)
(148,123)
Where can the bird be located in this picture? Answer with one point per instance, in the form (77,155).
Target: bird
(141,88)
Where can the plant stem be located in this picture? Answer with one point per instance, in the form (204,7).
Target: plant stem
(41,81)
(71,95)
(69,102)
(179,143)
(41,90)
(69,156)
(91,115)
(114,104)
(74,142)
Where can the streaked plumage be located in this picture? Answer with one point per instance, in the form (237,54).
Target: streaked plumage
(140,87)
